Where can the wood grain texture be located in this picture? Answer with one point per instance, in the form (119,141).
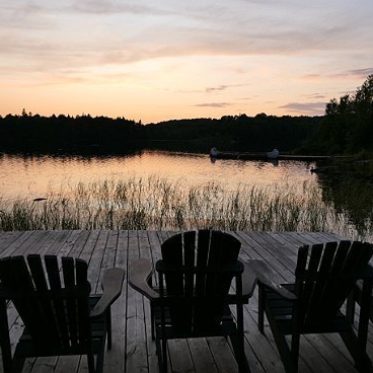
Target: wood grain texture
(133,349)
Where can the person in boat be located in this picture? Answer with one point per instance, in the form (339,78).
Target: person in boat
(213,152)
(273,154)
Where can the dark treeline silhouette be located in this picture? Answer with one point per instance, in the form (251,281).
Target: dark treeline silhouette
(66,134)
(235,133)
(348,124)
(347,127)
(85,134)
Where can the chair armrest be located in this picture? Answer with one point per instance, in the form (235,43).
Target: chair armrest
(140,272)
(265,277)
(112,284)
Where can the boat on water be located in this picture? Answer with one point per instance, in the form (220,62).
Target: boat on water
(266,156)
(217,154)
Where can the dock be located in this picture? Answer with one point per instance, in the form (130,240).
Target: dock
(133,349)
(281,157)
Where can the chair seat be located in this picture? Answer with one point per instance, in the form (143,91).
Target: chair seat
(27,348)
(225,327)
(282,310)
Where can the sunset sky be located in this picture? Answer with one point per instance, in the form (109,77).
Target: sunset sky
(159,60)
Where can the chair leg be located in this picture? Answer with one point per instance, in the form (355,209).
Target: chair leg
(164,355)
(239,353)
(152,321)
(261,301)
(17,363)
(361,358)
(289,360)
(357,344)
(91,363)
(108,328)
(4,337)
(295,341)
(161,354)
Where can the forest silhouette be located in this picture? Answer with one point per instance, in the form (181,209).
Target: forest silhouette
(346,127)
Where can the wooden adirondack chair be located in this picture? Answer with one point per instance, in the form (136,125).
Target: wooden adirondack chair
(324,277)
(192,296)
(60,316)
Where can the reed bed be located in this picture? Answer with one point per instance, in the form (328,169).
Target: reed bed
(156,203)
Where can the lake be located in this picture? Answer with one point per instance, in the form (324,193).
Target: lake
(32,177)
(188,190)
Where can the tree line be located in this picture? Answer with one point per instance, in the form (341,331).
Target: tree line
(82,134)
(346,127)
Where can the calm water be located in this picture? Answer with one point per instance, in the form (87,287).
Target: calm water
(34,176)
(284,196)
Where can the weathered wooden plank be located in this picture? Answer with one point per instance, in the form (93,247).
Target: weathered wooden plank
(115,358)
(145,251)
(136,354)
(201,355)
(7,238)
(222,354)
(94,264)
(133,350)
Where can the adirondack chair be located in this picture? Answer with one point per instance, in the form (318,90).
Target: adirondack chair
(59,315)
(324,277)
(191,297)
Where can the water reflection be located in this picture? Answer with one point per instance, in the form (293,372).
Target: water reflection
(269,192)
(33,176)
(351,196)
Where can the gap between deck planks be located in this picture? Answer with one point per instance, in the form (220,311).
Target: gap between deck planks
(133,350)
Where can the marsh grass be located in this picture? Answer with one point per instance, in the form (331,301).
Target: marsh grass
(156,203)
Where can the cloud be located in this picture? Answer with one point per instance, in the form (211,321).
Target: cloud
(316,96)
(223,87)
(309,108)
(214,104)
(358,73)
(112,7)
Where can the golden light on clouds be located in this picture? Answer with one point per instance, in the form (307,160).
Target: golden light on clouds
(156,61)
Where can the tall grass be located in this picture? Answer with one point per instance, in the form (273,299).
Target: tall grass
(156,203)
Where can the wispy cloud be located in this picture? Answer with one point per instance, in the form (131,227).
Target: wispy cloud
(316,96)
(114,7)
(344,74)
(223,87)
(357,73)
(309,108)
(214,104)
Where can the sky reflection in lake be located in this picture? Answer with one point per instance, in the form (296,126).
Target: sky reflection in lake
(32,177)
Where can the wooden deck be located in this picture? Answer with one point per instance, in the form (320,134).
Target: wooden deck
(133,350)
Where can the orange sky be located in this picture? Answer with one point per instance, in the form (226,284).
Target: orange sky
(154,61)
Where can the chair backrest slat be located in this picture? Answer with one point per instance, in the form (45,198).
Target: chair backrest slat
(68,271)
(44,304)
(53,270)
(203,248)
